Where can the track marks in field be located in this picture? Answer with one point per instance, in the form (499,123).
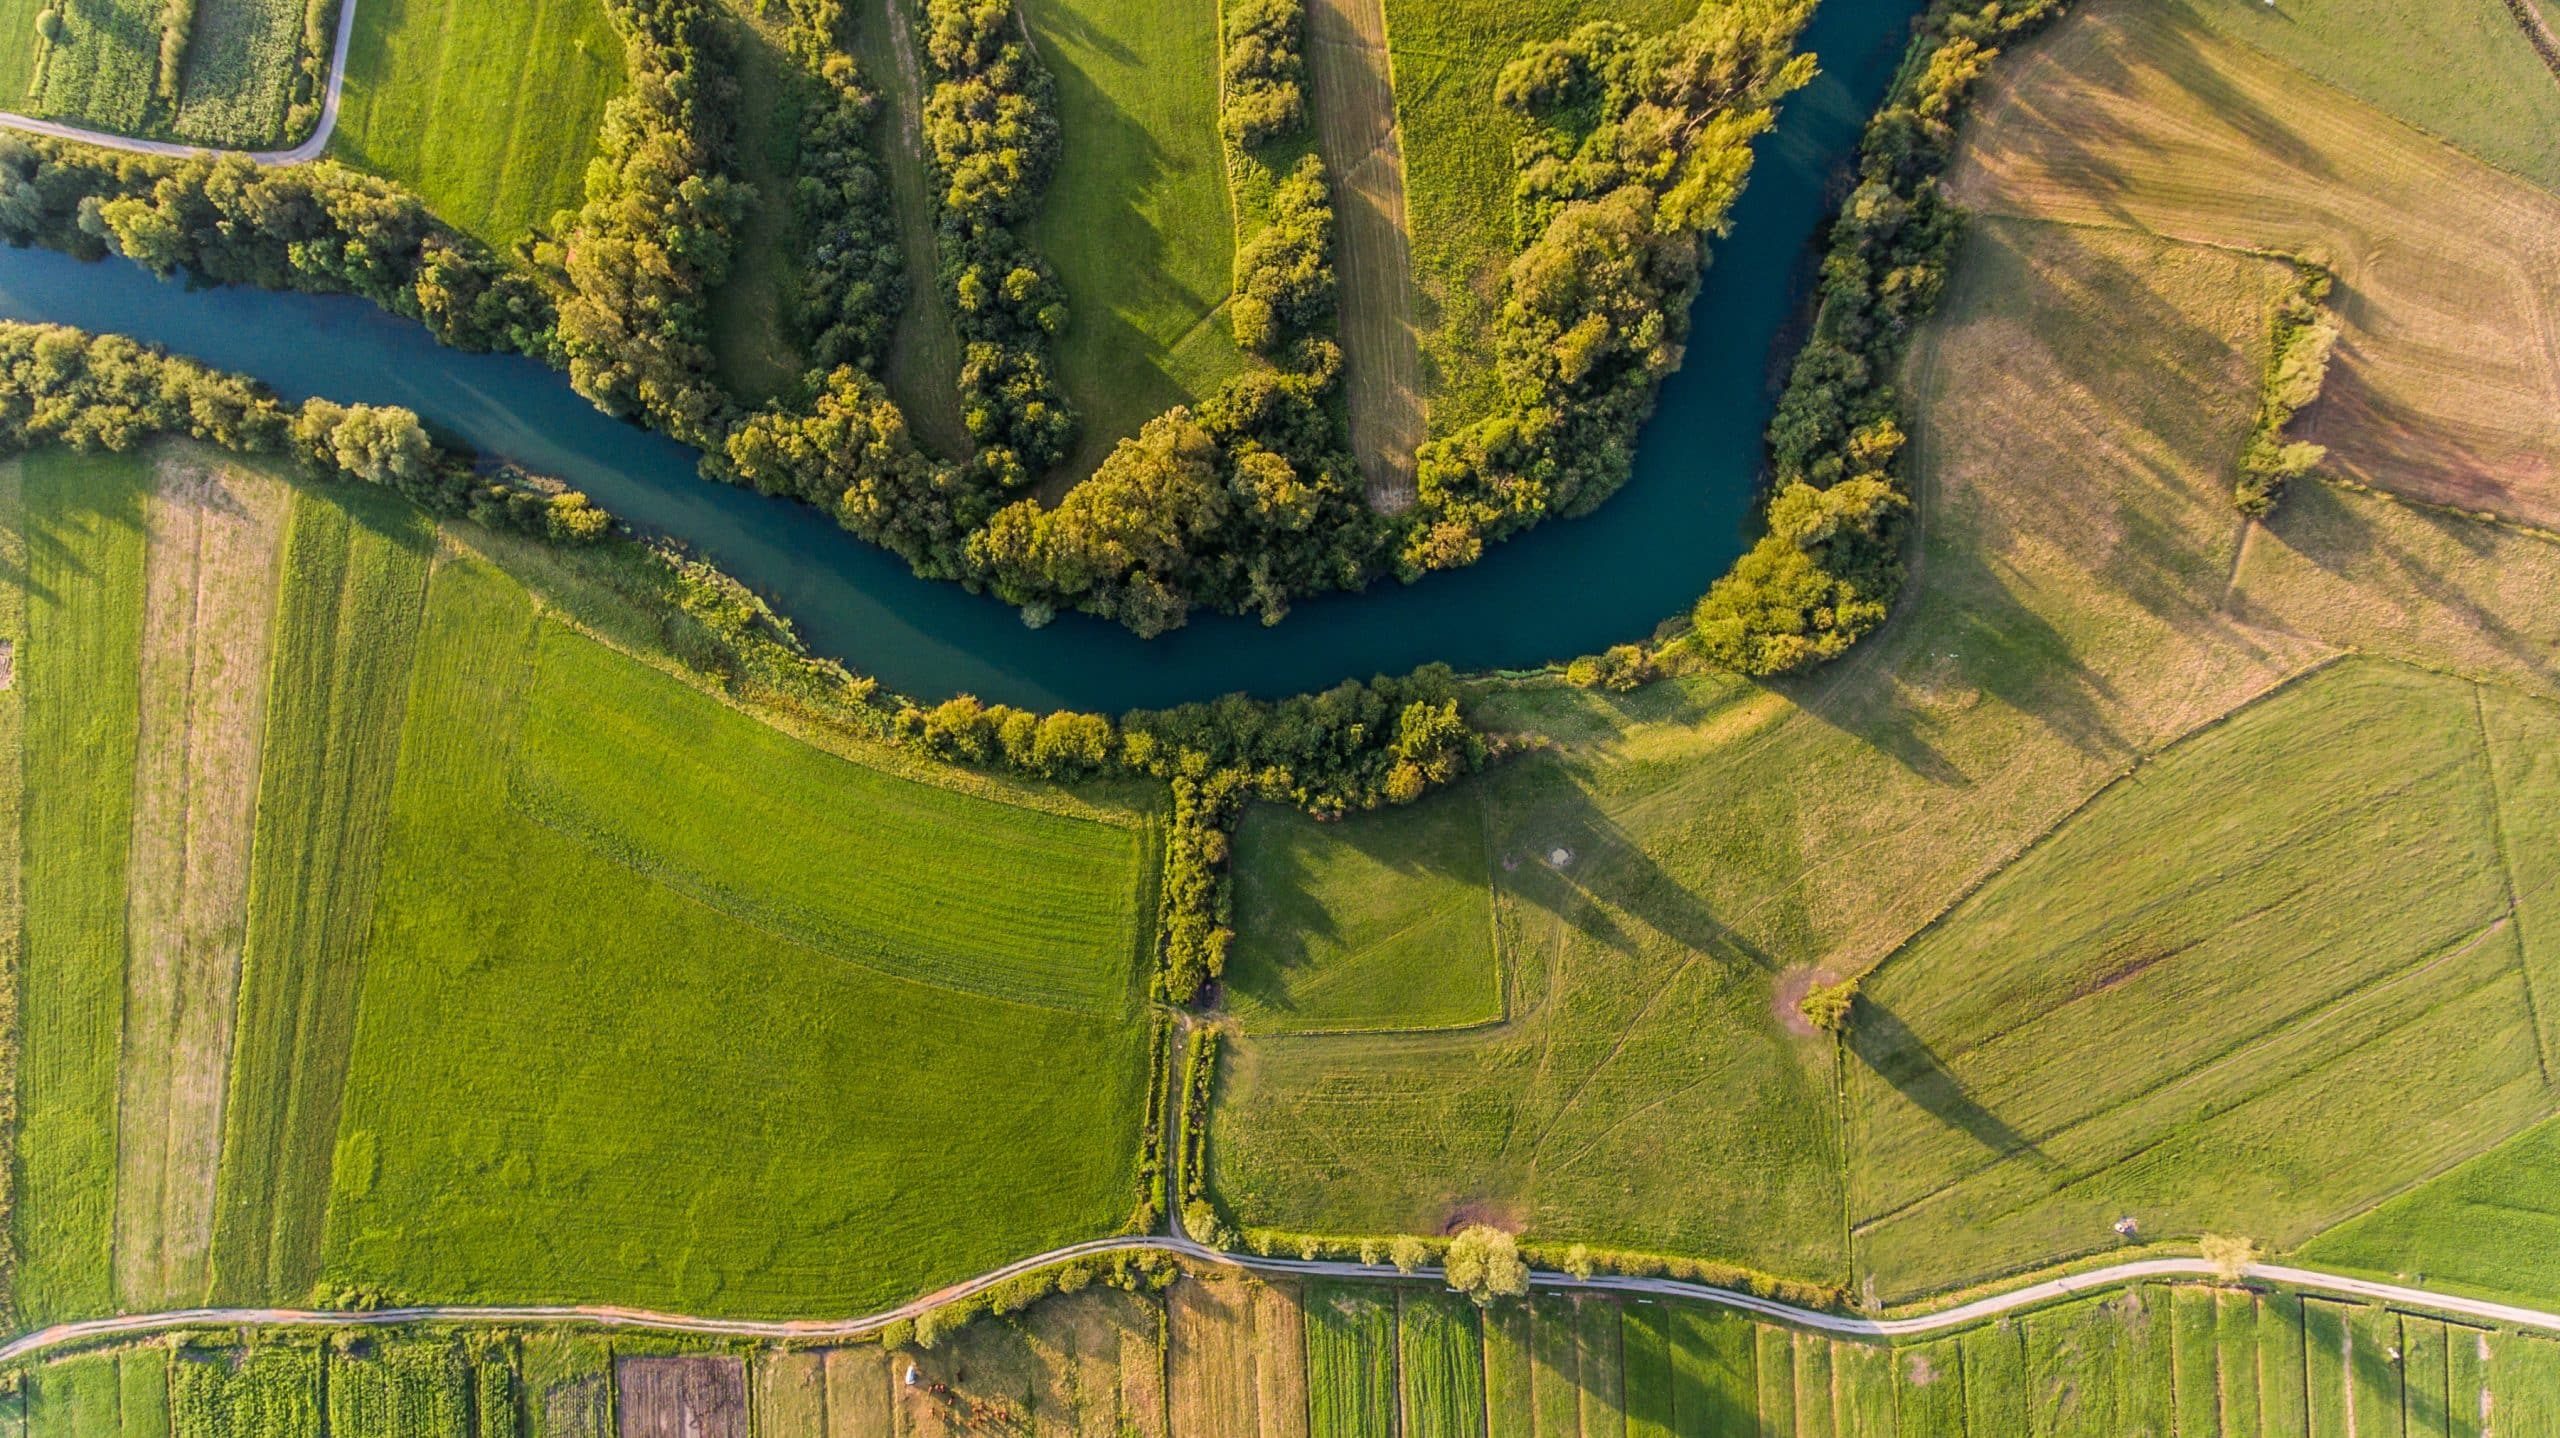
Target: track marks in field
(214,539)
(1356,132)
(2446,385)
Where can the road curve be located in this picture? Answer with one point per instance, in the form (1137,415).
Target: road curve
(2026,1296)
(303,153)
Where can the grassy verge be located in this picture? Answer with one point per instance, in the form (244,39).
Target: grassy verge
(488,111)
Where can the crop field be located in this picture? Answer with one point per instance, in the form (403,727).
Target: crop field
(404,1386)
(548,1035)
(487,110)
(1407,945)
(239,72)
(214,544)
(83,539)
(101,71)
(2446,385)
(1353,92)
(1456,150)
(1137,222)
(355,568)
(1352,1372)
(681,1397)
(922,371)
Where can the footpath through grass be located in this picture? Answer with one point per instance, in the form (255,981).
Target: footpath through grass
(488,110)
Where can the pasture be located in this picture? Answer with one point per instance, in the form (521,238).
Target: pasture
(1407,945)
(1137,223)
(2085,599)
(488,111)
(2446,385)
(511,996)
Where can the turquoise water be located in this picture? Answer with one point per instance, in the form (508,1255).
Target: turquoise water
(1570,587)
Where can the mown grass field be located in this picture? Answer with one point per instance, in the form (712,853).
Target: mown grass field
(487,110)
(2085,599)
(1407,945)
(1137,221)
(484,1057)
(1458,170)
(2446,384)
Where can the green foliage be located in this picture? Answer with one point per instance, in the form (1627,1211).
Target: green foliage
(1284,274)
(1826,573)
(243,70)
(851,283)
(1484,1263)
(269,1390)
(656,232)
(2297,364)
(1262,92)
(1440,1367)
(411,1388)
(1615,192)
(1351,1353)
(1827,1006)
(318,228)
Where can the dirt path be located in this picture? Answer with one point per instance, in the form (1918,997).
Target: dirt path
(1355,103)
(303,153)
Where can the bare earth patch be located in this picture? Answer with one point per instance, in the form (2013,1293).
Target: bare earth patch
(215,537)
(681,1397)
(1355,102)
(2446,385)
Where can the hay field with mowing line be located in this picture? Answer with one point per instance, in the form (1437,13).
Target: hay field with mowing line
(1235,1360)
(1353,92)
(355,570)
(548,1037)
(1137,222)
(487,110)
(2446,384)
(81,528)
(1407,942)
(215,538)
(905,894)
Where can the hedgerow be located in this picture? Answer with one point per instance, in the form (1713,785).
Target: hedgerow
(1827,571)
(2297,366)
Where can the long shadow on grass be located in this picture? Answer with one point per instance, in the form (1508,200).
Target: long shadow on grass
(1878,1038)
(1569,857)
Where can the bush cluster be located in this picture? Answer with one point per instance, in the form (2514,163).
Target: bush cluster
(1150,1209)
(1200,1216)
(1262,91)
(318,228)
(1639,146)
(638,261)
(1284,274)
(1143,1270)
(991,131)
(2297,366)
(1827,571)
(61,386)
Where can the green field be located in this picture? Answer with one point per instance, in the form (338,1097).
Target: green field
(1459,170)
(751,313)
(1137,222)
(488,110)
(239,73)
(233,84)
(100,72)
(1393,951)
(519,1037)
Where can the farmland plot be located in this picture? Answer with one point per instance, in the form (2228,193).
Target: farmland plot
(681,1397)
(239,72)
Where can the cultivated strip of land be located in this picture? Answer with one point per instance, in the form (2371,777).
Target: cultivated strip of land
(1355,101)
(303,153)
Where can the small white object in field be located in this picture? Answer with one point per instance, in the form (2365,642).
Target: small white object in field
(1560,857)
(911,1375)
(2125,1226)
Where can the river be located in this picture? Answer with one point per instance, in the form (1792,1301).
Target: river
(1568,587)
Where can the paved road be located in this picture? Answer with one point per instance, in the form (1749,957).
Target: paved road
(2030,1295)
(307,151)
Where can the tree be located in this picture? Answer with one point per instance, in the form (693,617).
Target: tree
(1484,1263)
(1827,1006)
(1408,1253)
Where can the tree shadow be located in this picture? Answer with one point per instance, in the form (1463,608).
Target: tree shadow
(1878,1038)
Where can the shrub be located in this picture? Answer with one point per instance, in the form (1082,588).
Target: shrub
(1262,90)
(1484,1263)
(1827,1006)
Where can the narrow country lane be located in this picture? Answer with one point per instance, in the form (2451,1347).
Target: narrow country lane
(2027,1296)
(303,153)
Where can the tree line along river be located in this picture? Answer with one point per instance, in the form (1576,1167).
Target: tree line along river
(1566,588)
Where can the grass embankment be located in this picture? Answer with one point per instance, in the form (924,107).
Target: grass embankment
(488,111)
(2444,387)
(2085,597)
(1137,223)
(553,1034)
(1458,171)
(1405,940)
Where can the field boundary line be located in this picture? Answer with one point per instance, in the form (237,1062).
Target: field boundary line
(2044,1291)
(2507,874)
(303,153)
